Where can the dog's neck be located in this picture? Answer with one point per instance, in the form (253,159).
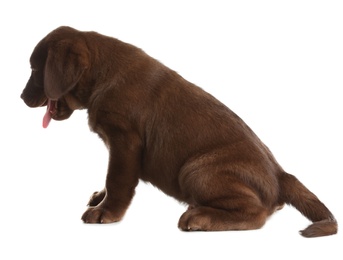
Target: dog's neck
(72,102)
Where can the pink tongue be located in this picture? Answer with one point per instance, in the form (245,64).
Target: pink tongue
(49,110)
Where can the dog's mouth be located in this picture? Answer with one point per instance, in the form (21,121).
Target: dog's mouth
(57,110)
(51,110)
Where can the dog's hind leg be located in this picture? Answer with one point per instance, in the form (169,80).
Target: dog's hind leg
(227,195)
(205,218)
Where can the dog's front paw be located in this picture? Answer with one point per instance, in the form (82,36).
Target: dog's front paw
(100,215)
(96,198)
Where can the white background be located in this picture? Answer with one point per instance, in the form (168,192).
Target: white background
(277,64)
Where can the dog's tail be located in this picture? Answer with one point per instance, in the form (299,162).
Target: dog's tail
(293,192)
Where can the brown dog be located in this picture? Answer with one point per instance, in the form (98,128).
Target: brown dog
(160,128)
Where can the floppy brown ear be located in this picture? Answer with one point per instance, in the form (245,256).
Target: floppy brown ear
(65,64)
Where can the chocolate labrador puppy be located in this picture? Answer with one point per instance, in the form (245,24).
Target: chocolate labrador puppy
(162,129)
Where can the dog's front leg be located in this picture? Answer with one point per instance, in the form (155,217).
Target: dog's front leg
(122,179)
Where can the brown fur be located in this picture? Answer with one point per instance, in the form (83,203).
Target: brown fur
(162,129)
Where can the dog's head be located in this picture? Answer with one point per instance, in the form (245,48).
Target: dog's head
(58,63)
